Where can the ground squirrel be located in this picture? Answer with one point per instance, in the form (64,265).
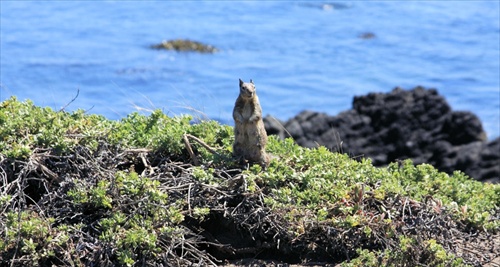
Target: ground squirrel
(250,136)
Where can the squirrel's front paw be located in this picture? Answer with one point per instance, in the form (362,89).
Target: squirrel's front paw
(238,118)
(253,118)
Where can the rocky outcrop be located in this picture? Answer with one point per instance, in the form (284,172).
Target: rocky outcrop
(386,127)
(183,45)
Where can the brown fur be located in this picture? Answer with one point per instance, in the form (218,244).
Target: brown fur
(250,136)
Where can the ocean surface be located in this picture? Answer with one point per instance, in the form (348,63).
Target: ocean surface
(301,55)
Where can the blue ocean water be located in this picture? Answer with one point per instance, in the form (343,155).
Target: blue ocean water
(301,55)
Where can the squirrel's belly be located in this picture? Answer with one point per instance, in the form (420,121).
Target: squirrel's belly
(246,113)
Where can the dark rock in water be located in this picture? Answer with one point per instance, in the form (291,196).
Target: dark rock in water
(480,160)
(386,127)
(273,126)
(183,45)
(367,35)
(463,128)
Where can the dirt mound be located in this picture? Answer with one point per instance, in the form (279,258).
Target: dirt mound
(222,221)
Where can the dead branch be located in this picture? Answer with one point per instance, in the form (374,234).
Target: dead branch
(72,100)
(186,138)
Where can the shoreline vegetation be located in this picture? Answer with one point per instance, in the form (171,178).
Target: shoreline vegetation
(81,190)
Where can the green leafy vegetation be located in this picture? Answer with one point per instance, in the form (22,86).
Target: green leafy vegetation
(317,179)
(26,127)
(81,190)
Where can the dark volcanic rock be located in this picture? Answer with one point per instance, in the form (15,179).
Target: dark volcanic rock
(417,124)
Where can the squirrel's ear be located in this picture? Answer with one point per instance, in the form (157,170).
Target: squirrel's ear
(241,82)
(251,81)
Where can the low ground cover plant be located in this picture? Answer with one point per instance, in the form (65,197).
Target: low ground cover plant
(81,190)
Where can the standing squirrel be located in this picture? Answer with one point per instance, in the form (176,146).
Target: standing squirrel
(250,136)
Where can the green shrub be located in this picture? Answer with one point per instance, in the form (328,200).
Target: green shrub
(133,215)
